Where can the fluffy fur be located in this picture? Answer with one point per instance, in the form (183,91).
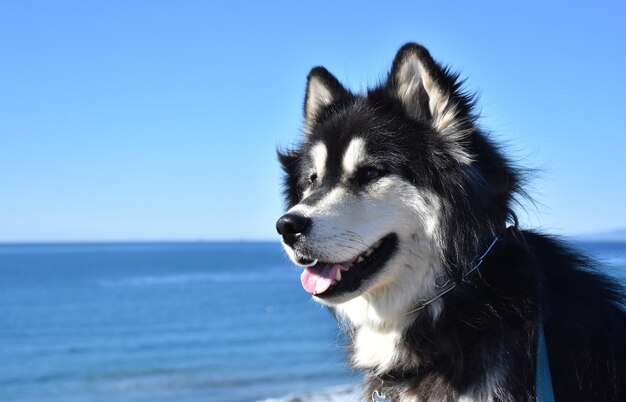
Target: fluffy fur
(406,163)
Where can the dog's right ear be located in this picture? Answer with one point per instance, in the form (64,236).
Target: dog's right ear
(322,90)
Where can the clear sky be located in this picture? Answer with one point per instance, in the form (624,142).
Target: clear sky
(155,120)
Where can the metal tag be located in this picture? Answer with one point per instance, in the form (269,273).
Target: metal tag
(378,397)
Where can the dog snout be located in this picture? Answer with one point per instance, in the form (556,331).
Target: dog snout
(291,227)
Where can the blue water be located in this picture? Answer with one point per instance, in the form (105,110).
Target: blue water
(157,322)
(168,322)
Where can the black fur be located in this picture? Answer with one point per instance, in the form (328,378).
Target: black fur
(489,322)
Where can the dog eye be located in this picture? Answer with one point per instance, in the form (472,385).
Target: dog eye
(368,173)
(313,177)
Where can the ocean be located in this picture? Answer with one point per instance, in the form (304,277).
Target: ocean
(180,322)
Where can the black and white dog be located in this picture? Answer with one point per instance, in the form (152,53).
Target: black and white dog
(398,207)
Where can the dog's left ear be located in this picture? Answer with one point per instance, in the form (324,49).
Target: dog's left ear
(423,87)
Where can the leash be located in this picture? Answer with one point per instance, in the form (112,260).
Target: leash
(543,380)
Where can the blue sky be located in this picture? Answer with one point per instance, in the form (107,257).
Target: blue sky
(151,120)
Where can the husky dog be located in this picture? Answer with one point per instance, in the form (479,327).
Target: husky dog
(398,212)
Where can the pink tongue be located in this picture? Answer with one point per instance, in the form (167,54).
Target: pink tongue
(317,280)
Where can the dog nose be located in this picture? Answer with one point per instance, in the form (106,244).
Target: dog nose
(291,226)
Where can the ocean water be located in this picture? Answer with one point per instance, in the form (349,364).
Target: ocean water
(171,322)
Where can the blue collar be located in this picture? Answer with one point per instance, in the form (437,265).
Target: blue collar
(543,379)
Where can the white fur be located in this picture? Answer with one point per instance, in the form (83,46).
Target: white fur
(346,225)
(375,348)
(354,156)
(318,156)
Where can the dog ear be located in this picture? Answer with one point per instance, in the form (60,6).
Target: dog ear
(423,87)
(322,90)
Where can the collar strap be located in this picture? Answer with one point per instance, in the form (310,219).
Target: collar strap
(449,285)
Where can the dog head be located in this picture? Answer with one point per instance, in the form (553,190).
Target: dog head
(389,191)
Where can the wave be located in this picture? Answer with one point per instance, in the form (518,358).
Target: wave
(344,393)
(152,280)
(615,262)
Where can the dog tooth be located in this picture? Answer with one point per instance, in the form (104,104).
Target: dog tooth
(358,260)
(338,275)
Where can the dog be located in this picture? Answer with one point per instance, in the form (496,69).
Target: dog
(399,211)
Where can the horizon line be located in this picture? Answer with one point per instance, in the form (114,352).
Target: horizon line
(130,241)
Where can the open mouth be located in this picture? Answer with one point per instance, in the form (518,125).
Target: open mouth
(329,279)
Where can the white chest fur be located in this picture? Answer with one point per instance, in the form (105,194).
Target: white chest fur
(374,349)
